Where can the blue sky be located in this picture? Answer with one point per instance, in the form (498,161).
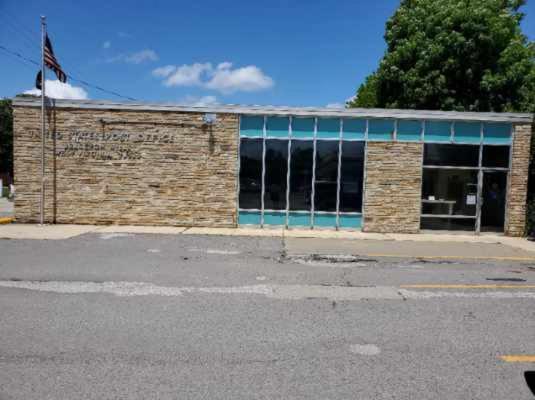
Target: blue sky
(294,52)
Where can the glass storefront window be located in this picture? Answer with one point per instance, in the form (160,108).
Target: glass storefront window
(301,174)
(326,175)
(250,173)
(451,155)
(449,192)
(449,179)
(351,175)
(449,224)
(276,163)
(496,156)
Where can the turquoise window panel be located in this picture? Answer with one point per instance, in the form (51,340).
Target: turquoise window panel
(298,219)
(251,126)
(325,220)
(277,127)
(467,132)
(303,127)
(437,131)
(274,217)
(497,133)
(354,129)
(350,221)
(249,217)
(380,129)
(328,128)
(409,131)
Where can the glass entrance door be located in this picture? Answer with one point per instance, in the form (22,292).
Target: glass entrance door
(493,197)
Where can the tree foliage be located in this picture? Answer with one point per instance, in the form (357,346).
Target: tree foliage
(463,55)
(6,137)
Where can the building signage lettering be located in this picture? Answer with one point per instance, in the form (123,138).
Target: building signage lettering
(112,145)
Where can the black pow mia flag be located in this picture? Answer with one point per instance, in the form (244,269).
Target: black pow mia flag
(52,63)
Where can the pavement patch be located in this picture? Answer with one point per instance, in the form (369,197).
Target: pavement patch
(466,286)
(506,279)
(113,235)
(216,251)
(364,349)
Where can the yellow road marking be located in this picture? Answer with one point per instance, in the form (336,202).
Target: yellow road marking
(519,358)
(467,286)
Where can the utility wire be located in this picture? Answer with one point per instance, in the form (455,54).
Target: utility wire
(35,37)
(85,83)
(30,38)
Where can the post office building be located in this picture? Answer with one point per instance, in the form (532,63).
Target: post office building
(375,170)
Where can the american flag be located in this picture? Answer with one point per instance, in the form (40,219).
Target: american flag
(52,63)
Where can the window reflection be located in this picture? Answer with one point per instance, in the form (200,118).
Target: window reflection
(326,175)
(458,155)
(301,175)
(449,192)
(351,174)
(250,173)
(275,178)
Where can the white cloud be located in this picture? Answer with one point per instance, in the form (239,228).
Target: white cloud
(188,75)
(221,78)
(59,90)
(163,72)
(199,101)
(246,79)
(142,56)
(335,105)
(135,58)
(106,44)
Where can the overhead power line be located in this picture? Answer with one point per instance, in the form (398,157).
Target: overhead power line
(81,81)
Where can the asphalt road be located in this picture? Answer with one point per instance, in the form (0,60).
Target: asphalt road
(117,316)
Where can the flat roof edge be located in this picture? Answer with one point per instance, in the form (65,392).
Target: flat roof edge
(276,110)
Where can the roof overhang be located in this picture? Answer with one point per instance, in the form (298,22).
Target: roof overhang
(525,118)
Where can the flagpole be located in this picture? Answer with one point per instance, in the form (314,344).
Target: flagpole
(43,127)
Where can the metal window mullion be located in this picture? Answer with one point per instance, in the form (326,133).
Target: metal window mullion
(450,167)
(448,216)
(338,176)
(363,191)
(422,133)
(452,132)
(288,171)
(313,191)
(395,134)
(367,129)
(479,196)
(263,172)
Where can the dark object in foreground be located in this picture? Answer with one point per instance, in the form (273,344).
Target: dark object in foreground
(530,380)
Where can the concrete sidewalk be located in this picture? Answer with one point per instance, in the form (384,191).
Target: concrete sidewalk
(308,242)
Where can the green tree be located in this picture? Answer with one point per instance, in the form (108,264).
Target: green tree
(463,55)
(6,137)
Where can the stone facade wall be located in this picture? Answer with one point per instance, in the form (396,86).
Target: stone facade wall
(392,187)
(515,216)
(127,167)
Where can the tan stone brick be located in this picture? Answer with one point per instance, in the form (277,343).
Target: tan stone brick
(515,222)
(137,168)
(392,187)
